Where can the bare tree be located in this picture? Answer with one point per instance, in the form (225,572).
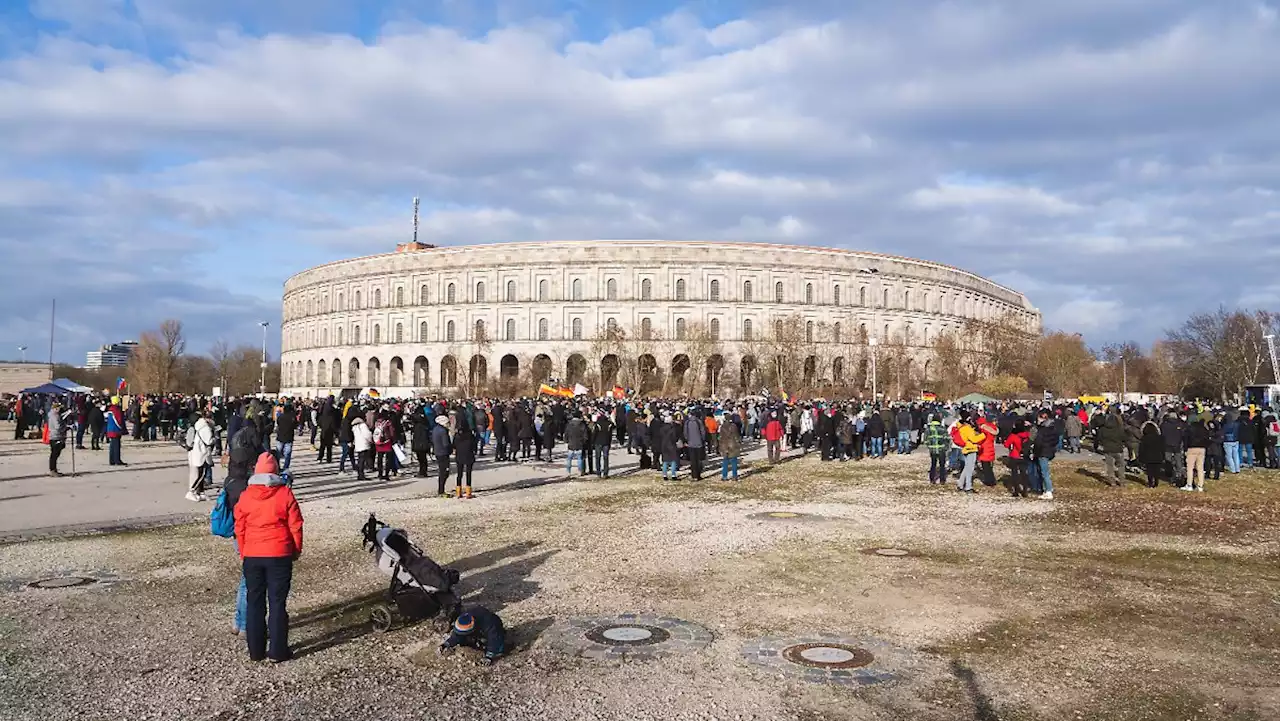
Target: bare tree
(152,363)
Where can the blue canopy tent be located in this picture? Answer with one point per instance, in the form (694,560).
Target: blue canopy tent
(71,386)
(47,388)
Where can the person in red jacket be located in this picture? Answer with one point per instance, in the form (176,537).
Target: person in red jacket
(987,450)
(269,532)
(1019,445)
(773,434)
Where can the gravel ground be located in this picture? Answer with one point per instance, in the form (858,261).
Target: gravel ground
(971,604)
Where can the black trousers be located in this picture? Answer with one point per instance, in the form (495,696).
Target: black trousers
(464,472)
(442,472)
(695,462)
(384,465)
(267,582)
(55,450)
(422,463)
(500,453)
(326,448)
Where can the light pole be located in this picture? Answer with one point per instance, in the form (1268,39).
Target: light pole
(23,350)
(872,343)
(263,386)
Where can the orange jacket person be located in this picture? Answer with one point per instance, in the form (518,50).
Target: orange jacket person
(269,532)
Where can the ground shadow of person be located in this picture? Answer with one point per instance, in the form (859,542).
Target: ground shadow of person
(983,709)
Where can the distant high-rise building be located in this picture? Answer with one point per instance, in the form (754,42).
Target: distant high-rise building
(115,355)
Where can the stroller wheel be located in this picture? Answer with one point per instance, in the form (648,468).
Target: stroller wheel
(380,617)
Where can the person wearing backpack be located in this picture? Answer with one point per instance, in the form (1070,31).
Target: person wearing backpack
(199,445)
(384,436)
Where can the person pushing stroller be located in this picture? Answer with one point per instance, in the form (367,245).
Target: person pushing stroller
(478,628)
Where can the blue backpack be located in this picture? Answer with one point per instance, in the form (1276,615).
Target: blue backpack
(221,520)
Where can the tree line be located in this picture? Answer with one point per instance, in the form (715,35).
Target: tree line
(161,364)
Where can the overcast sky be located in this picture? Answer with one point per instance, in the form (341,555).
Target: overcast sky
(1116,160)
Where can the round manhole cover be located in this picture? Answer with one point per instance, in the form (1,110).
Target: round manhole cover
(828,655)
(783,516)
(892,552)
(627,635)
(50,584)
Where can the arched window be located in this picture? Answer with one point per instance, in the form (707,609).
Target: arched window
(422,332)
(480,292)
(324,301)
(377,333)
(746,292)
(611,327)
(511,329)
(906,299)
(340,305)
(679,328)
(808,332)
(777,330)
(835,332)
(479,331)
(577,289)
(777,292)
(511,291)
(448,331)
(542,290)
(680,289)
(646,289)
(543,331)
(577,329)
(611,289)
(835,295)
(924,302)
(377,297)
(862,296)
(399,333)
(422,295)
(400,295)
(355,335)
(808,293)
(338,331)
(885,304)
(886,333)
(324,336)
(646,329)
(451,294)
(907,335)
(746,329)
(357,300)
(715,329)
(714,293)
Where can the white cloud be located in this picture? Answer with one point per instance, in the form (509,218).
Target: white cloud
(948,196)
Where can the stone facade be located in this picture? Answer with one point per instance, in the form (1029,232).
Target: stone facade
(412,321)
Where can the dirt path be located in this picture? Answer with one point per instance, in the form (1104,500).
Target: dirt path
(1104,604)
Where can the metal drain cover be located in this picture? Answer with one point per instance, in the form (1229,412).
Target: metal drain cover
(888,552)
(629,637)
(53,584)
(830,659)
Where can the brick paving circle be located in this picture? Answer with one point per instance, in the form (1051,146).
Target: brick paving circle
(628,637)
(830,659)
(60,582)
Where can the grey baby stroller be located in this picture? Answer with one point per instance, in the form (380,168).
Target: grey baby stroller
(420,587)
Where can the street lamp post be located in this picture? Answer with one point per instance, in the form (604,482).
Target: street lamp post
(23,350)
(874,394)
(263,385)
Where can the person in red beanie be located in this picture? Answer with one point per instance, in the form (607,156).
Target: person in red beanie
(269,532)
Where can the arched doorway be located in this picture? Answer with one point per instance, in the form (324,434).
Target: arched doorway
(837,371)
(478,371)
(541,368)
(448,372)
(375,373)
(335,373)
(322,374)
(311,374)
(810,371)
(509,367)
(747,373)
(353,373)
(609,366)
(715,367)
(679,366)
(420,376)
(395,376)
(648,378)
(575,369)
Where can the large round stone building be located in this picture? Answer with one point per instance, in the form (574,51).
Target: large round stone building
(658,316)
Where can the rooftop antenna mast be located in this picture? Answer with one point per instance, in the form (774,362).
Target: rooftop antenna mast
(415,224)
